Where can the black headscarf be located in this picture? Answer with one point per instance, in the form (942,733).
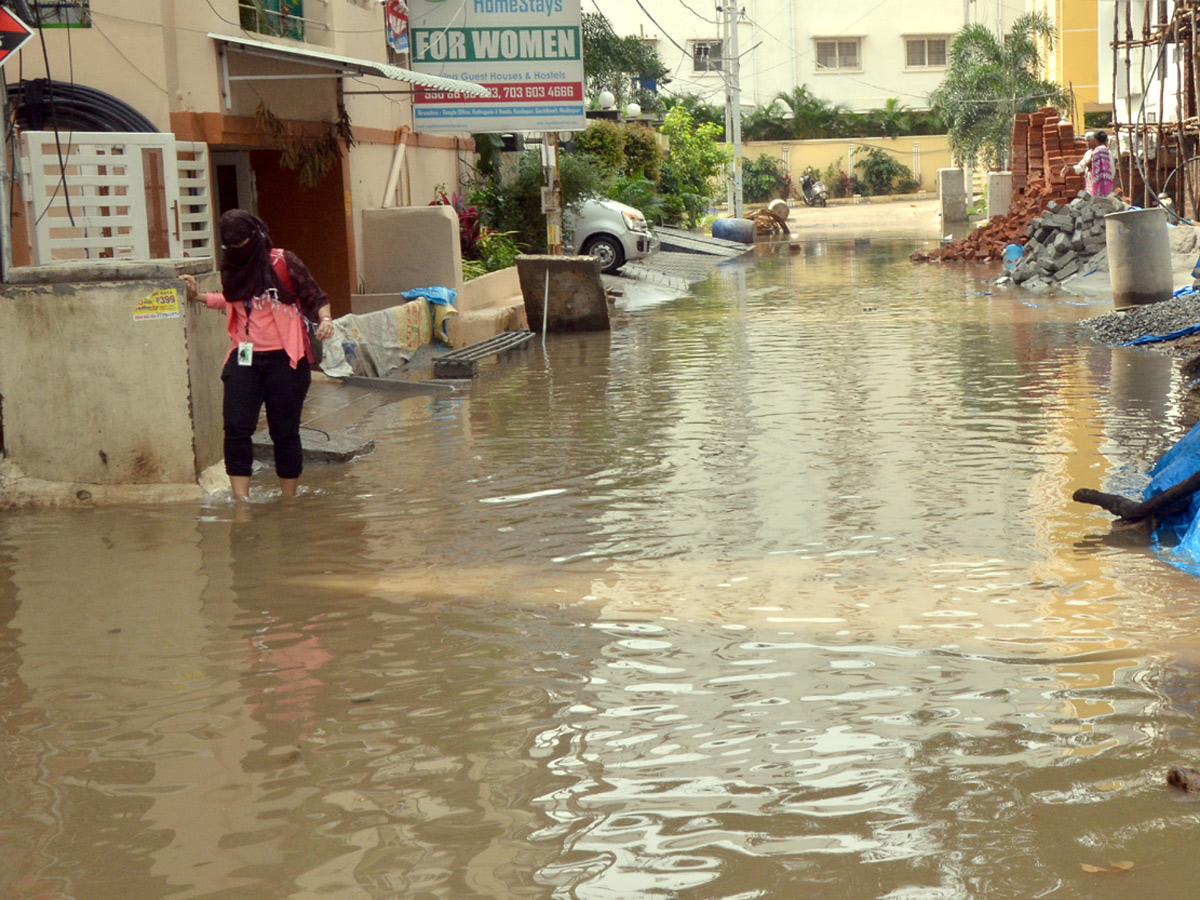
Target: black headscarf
(246,270)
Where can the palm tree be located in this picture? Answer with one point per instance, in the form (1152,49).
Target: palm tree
(808,115)
(893,119)
(988,81)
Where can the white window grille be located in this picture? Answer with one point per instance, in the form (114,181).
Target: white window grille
(116,196)
(706,56)
(837,55)
(925,52)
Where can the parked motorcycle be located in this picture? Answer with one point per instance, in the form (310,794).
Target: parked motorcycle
(812,189)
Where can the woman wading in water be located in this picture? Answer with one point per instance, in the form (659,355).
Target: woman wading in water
(267,294)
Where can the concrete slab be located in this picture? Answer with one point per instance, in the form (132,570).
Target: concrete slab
(680,241)
(319,446)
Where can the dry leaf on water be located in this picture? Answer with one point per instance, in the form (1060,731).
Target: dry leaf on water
(1124,865)
(1090,868)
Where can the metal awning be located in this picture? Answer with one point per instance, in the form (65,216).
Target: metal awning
(338,66)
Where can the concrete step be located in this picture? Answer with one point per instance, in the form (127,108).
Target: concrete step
(318,446)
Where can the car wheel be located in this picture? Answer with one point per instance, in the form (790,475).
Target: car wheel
(606,249)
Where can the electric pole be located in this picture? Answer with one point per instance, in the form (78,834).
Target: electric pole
(731,67)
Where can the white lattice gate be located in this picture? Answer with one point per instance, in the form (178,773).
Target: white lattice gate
(116,196)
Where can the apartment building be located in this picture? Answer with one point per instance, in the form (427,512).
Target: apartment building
(858,53)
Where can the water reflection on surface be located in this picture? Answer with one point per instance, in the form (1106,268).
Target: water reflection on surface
(776,590)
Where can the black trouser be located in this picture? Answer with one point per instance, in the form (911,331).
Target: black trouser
(269,378)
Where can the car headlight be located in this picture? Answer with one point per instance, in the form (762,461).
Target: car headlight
(634,222)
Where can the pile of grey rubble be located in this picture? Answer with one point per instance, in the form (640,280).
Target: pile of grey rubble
(1065,241)
(1167,317)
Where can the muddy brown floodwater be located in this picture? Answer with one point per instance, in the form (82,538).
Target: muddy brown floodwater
(776,591)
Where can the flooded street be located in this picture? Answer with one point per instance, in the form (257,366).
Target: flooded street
(776,591)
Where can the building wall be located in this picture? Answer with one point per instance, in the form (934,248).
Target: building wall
(92,394)
(778,45)
(924,155)
(158,58)
(1082,31)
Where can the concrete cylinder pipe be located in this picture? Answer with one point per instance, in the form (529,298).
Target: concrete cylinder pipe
(1139,257)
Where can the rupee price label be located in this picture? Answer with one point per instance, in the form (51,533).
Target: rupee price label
(162,304)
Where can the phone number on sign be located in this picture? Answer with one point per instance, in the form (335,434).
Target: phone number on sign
(507,93)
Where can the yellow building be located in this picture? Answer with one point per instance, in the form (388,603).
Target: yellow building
(1075,60)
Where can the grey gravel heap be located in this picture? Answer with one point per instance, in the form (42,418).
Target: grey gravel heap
(1066,240)
(1135,322)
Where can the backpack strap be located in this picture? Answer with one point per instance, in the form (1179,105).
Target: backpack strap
(279,264)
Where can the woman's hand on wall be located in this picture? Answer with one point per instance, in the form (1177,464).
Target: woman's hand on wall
(193,291)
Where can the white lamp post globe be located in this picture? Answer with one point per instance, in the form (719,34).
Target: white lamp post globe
(607,100)
(633,110)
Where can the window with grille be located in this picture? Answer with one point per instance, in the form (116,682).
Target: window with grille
(706,56)
(925,53)
(282,18)
(60,14)
(834,55)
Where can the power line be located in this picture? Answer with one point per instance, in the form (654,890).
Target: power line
(696,14)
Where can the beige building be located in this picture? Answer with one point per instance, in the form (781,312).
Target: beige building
(255,80)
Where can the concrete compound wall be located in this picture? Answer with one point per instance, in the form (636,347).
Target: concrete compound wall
(924,154)
(486,306)
(410,247)
(91,393)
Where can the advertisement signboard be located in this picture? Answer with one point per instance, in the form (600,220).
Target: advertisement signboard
(395,17)
(529,52)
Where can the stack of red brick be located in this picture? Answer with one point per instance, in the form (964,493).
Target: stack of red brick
(1041,146)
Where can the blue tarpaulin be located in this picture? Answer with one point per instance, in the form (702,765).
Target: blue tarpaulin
(1155,338)
(1177,537)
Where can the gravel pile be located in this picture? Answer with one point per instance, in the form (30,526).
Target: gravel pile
(1139,321)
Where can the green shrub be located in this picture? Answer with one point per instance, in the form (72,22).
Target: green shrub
(497,249)
(693,163)
(604,141)
(514,206)
(880,169)
(764,179)
(643,156)
(638,192)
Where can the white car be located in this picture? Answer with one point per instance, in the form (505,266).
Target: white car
(610,231)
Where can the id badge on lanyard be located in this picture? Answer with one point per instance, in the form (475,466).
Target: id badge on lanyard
(245,351)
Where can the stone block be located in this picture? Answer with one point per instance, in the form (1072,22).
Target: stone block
(1068,270)
(576,302)
(1000,193)
(952,195)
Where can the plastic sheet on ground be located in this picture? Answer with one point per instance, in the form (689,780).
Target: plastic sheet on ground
(1177,538)
(374,344)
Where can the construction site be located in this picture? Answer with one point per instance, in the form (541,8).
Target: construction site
(1156,115)
(1154,139)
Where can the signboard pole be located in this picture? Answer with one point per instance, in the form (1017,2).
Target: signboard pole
(554,245)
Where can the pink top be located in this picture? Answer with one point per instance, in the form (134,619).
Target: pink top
(273,325)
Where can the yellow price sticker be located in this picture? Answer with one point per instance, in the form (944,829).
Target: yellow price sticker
(162,304)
